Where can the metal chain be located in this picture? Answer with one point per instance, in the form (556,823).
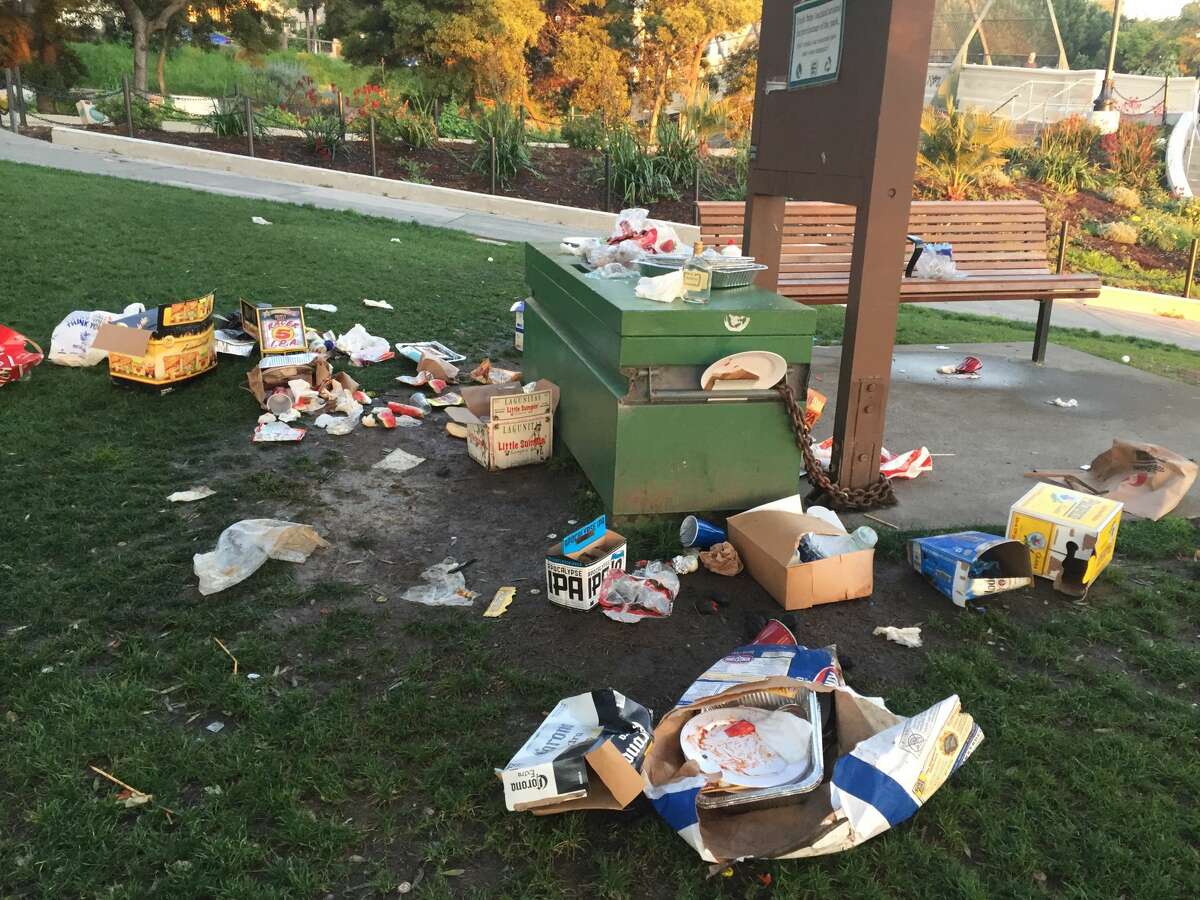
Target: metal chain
(836,497)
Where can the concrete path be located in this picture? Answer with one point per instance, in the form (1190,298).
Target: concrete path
(28,150)
(994,429)
(42,153)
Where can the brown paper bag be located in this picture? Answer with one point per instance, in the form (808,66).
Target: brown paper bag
(1150,480)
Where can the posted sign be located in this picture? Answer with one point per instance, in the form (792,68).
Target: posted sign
(816,42)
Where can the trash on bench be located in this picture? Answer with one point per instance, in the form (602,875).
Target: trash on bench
(244,546)
(1148,479)
(587,754)
(890,769)
(968,565)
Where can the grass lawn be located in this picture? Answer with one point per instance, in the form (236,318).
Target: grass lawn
(325,780)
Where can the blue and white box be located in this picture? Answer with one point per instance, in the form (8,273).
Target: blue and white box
(968,565)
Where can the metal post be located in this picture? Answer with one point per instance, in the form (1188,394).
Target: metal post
(1166,87)
(607,181)
(249,126)
(493,164)
(1041,334)
(1105,101)
(374,167)
(128,103)
(1191,272)
(20,86)
(696,195)
(12,105)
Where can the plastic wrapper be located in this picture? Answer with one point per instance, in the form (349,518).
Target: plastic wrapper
(359,344)
(244,546)
(663,288)
(904,466)
(442,587)
(71,340)
(648,591)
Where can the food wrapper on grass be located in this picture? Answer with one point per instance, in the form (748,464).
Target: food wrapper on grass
(721,559)
(647,591)
(244,546)
(486,373)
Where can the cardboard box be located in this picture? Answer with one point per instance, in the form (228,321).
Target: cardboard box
(518,311)
(161,347)
(249,311)
(280,329)
(576,566)
(507,427)
(262,382)
(1060,526)
(587,754)
(766,538)
(946,560)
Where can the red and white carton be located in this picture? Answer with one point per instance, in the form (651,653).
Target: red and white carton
(507,426)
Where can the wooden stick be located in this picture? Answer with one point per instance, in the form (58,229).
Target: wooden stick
(227,653)
(880,521)
(116,780)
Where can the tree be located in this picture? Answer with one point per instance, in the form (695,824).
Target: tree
(592,69)
(1085,27)
(147,18)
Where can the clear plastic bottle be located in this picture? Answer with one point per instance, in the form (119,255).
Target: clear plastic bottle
(822,546)
(697,276)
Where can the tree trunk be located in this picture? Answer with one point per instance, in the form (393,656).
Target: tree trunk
(162,61)
(283,36)
(660,96)
(141,51)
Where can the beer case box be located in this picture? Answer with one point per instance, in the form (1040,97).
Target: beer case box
(576,566)
(946,561)
(162,347)
(507,427)
(1057,524)
(766,538)
(587,754)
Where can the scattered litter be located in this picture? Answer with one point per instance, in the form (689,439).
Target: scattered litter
(454,429)
(572,521)
(399,461)
(423,379)
(500,602)
(971,564)
(71,340)
(664,288)
(368,421)
(905,637)
(277,432)
(1148,479)
(721,559)
(942,347)
(1125,359)
(244,546)
(377,304)
(445,586)
(130,796)
(686,563)
(969,367)
(220,644)
(576,566)
(436,367)
(508,425)
(491,259)
(881,521)
(414,350)
(1065,404)
(697,532)
(647,592)
(395,240)
(196,493)
(587,754)
(363,347)
(551,536)
(252,676)
(214,727)
(259,220)
(486,373)
(903,466)
(1071,535)
(404,409)
(321,307)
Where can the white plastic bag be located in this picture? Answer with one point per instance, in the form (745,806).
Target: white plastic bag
(663,288)
(357,343)
(71,341)
(442,587)
(244,546)
(648,591)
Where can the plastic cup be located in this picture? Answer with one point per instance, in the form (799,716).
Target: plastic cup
(777,634)
(696,532)
(280,402)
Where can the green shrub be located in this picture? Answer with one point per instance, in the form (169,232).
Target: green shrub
(1074,134)
(1119,232)
(229,120)
(403,126)
(452,123)
(147,116)
(66,72)
(325,136)
(678,151)
(1126,198)
(959,151)
(637,175)
(585,132)
(720,181)
(502,127)
(1130,153)
(1062,168)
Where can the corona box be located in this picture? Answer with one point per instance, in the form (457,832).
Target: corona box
(161,347)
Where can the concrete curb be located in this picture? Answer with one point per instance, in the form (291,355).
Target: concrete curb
(1147,303)
(586,221)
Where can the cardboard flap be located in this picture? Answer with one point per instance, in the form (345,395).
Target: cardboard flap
(623,781)
(778,531)
(120,339)
(497,400)
(461,415)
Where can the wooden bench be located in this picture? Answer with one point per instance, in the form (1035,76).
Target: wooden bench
(1000,245)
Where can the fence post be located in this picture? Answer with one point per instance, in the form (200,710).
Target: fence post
(1191,272)
(128,103)
(607,180)
(1166,87)
(249,126)
(20,85)
(374,167)
(696,194)
(12,107)
(493,164)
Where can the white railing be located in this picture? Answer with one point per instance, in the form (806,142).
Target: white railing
(1180,146)
(1026,99)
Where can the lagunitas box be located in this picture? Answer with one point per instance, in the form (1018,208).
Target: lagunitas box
(576,567)
(1070,535)
(508,426)
(161,347)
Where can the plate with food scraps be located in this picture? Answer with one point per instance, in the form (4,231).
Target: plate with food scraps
(750,369)
(748,747)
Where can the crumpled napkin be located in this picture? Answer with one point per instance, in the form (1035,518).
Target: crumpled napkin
(722,559)
(663,288)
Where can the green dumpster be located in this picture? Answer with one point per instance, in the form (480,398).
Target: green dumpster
(631,409)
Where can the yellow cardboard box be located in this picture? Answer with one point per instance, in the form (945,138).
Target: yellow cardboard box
(1060,526)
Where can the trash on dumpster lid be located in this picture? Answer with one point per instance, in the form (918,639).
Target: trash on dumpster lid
(766,538)
(507,427)
(587,754)
(967,565)
(160,347)
(576,566)
(1070,535)
(888,766)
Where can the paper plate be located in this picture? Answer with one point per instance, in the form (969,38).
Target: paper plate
(746,760)
(767,368)
(456,429)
